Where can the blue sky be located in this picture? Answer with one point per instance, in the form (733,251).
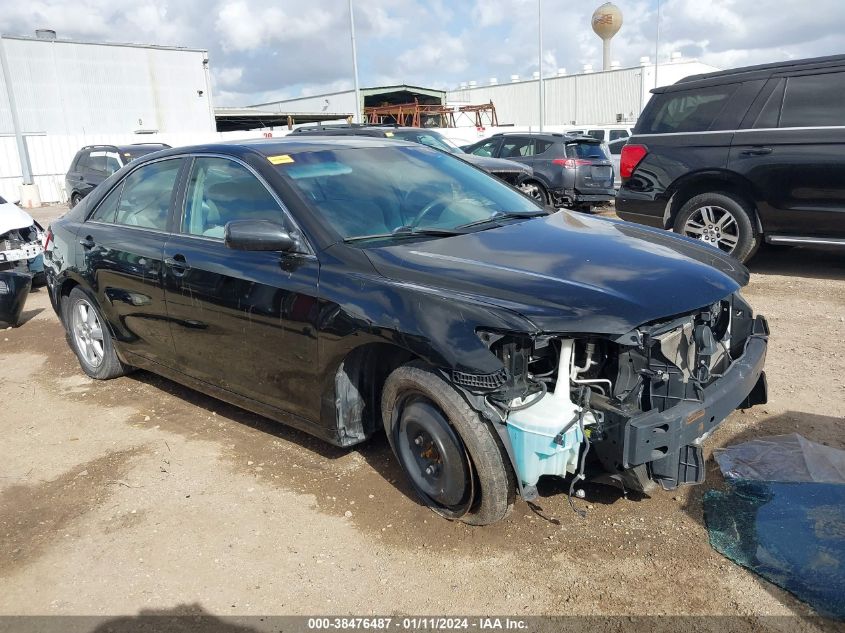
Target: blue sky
(262,50)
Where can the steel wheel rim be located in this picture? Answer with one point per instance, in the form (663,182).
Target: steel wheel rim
(715,226)
(421,446)
(88,333)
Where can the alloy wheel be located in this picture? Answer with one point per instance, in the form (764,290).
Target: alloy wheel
(715,226)
(533,191)
(88,333)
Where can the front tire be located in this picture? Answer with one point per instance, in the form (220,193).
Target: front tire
(720,220)
(90,338)
(75,199)
(448,452)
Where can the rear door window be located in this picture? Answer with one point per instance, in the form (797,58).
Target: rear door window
(617,134)
(685,110)
(147,193)
(541,147)
(517,147)
(814,101)
(107,208)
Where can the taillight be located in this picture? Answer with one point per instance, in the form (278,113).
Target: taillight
(570,163)
(48,237)
(631,156)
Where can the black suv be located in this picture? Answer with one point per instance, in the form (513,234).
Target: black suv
(739,157)
(94,163)
(512,172)
(570,170)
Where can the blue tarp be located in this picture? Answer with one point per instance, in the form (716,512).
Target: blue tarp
(791,533)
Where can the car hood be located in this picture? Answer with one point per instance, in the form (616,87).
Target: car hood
(569,272)
(13,217)
(495,164)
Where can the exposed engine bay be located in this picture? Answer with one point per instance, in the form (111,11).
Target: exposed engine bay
(20,241)
(639,406)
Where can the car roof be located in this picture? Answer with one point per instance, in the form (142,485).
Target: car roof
(551,136)
(748,73)
(128,147)
(291,144)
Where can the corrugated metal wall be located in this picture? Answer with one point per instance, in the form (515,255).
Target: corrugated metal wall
(52,154)
(336,103)
(574,99)
(75,88)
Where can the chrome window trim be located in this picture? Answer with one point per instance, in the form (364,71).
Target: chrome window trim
(285,211)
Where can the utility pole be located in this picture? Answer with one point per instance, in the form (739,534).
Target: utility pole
(656,43)
(355,64)
(23,152)
(542,91)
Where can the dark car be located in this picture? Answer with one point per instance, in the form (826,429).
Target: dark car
(345,285)
(512,172)
(569,170)
(743,156)
(94,163)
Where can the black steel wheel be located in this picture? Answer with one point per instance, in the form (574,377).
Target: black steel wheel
(452,457)
(432,455)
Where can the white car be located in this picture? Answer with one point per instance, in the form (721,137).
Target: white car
(21,241)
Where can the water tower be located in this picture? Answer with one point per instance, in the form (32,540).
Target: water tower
(607,20)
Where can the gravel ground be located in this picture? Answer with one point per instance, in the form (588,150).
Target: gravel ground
(139,495)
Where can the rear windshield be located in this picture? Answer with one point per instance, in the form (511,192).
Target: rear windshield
(684,110)
(586,150)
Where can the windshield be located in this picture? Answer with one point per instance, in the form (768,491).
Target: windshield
(432,139)
(381,190)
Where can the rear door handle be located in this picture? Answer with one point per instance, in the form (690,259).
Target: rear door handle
(757,151)
(87,242)
(177,264)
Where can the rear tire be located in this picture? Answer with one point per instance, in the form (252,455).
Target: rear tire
(430,426)
(721,220)
(89,337)
(536,191)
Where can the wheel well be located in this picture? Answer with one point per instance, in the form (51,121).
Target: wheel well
(359,382)
(64,292)
(711,183)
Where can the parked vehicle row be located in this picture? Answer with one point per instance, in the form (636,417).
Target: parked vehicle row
(569,170)
(347,285)
(512,172)
(741,157)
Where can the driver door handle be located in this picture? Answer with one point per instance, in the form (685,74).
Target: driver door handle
(177,264)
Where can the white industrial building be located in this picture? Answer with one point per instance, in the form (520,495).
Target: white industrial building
(72,87)
(57,95)
(586,98)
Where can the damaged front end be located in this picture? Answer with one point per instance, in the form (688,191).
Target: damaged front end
(639,405)
(21,248)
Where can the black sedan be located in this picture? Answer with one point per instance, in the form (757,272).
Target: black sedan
(348,285)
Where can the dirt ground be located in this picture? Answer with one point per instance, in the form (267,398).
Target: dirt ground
(138,494)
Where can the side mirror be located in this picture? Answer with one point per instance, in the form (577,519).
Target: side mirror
(257,235)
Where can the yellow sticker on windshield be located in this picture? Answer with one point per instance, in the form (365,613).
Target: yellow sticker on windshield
(388,134)
(281,159)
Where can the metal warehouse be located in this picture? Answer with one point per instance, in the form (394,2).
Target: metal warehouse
(72,87)
(618,94)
